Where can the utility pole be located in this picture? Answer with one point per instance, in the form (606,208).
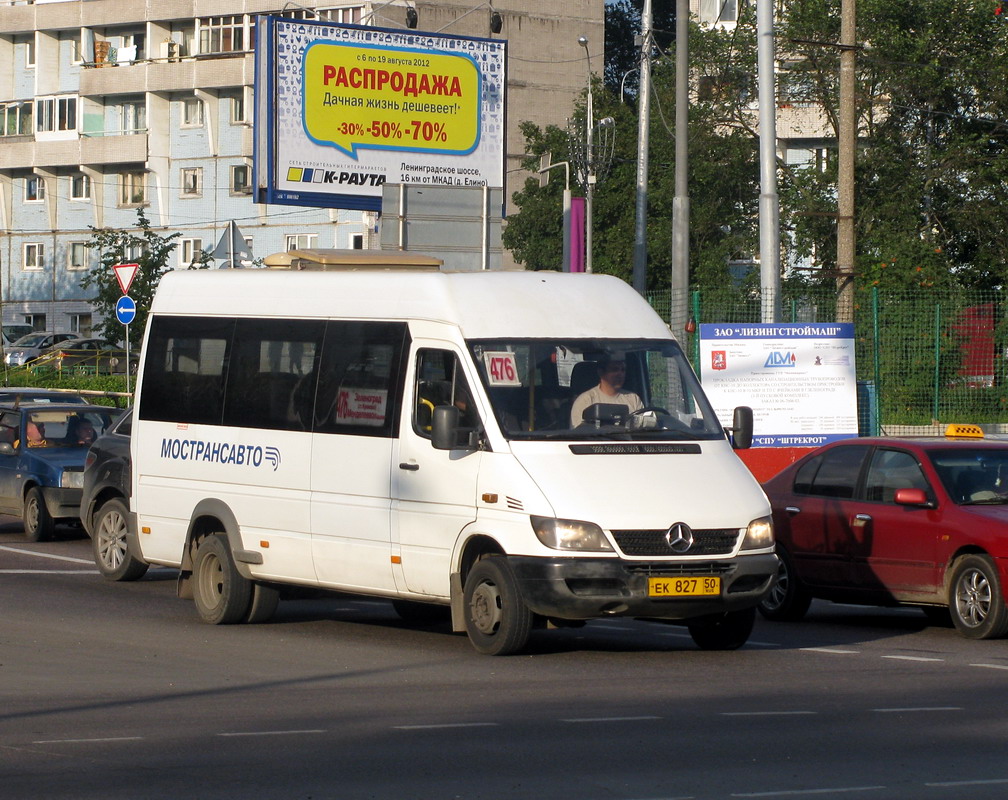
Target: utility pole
(679,312)
(590,158)
(643,126)
(769,205)
(847,139)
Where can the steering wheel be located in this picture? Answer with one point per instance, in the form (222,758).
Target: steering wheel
(642,411)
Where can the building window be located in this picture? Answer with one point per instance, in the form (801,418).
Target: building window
(192,181)
(134,252)
(192,113)
(77,255)
(34,189)
(30,53)
(241,179)
(133,117)
(190,252)
(132,186)
(352,14)
(76,51)
(56,114)
(80,187)
(357,241)
(16,119)
(80,323)
(34,256)
(238,109)
(37,321)
(221,34)
(301,241)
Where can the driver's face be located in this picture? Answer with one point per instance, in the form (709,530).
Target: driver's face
(615,373)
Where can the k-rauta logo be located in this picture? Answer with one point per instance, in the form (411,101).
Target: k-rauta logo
(243,455)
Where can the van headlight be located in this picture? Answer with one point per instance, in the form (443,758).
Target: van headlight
(569,534)
(72,480)
(759,535)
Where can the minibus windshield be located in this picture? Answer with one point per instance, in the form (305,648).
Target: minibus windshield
(594,388)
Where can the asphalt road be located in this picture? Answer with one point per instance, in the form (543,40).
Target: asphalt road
(118,691)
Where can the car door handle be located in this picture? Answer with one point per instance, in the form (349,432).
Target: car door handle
(410,465)
(793,510)
(860,520)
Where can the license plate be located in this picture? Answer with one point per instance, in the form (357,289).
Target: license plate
(698,586)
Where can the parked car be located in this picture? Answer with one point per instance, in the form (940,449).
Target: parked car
(42,452)
(13,332)
(104,508)
(27,348)
(880,521)
(15,395)
(85,355)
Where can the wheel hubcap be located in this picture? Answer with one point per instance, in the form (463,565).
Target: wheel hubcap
(112,541)
(212,579)
(485,608)
(32,514)
(778,592)
(973,598)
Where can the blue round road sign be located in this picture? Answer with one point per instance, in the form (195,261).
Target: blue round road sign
(125,309)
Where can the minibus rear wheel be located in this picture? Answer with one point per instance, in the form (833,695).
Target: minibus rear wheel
(497,620)
(221,594)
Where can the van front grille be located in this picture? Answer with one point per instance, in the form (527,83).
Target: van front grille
(710,542)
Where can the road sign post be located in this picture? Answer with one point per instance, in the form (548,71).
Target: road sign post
(125,312)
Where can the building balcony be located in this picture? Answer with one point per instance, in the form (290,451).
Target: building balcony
(169,76)
(19,153)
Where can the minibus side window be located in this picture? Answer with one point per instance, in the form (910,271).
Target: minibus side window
(272,373)
(440,381)
(185,369)
(361,376)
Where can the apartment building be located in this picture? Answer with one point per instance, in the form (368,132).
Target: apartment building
(107,106)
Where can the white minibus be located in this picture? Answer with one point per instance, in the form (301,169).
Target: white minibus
(523,448)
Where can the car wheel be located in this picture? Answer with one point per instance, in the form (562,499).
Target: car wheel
(788,599)
(221,594)
(497,620)
(728,631)
(976,601)
(108,543)
(38,523)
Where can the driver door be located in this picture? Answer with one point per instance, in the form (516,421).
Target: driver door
(433,491)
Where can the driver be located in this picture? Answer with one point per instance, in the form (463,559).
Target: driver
(612,376)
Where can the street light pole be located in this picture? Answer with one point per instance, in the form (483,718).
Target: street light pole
(643,124)
(589,160)
(679,311)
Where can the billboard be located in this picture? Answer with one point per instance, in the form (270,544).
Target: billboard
(341,110)
(799,379)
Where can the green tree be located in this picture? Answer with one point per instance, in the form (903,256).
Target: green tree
(113,246)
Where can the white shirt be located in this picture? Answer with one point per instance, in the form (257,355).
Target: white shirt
(596,395)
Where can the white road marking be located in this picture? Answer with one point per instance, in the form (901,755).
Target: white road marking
(272,733)
(766,713)
(991,782)
(611,719)
(912,658)
(836,651)
(85,741)
(37,554)
(48,572)
(802,792)
(991,666)
(445,725)
(919,708)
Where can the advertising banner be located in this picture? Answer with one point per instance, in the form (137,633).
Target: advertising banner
(343,109)
(799,379)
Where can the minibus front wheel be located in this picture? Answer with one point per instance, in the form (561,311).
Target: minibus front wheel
(221,594)
(497,620)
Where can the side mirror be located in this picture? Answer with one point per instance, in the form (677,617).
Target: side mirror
(6,449)
(911,497)
(742,426)
(445,428)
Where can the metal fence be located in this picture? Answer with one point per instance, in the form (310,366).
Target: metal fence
(923,359)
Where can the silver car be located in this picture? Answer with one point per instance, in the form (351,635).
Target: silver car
(27,348)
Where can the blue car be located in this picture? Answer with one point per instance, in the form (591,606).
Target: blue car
(42,452)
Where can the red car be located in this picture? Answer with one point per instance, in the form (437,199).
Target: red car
(921,522)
